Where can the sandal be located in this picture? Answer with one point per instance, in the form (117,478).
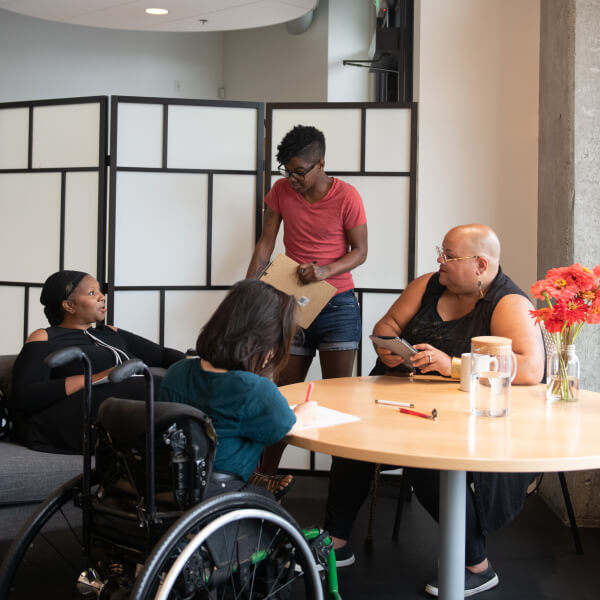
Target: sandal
(273,483)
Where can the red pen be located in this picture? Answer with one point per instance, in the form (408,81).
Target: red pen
(416,413)
(311,385)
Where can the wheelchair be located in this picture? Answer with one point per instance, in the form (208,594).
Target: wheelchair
(139,525)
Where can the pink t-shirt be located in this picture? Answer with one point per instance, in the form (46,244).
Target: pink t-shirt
(317,232)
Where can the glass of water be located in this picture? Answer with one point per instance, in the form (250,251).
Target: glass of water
(493,367)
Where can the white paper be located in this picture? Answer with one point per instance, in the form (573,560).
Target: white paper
(327,417)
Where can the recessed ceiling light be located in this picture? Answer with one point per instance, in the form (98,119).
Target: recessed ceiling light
(156,11)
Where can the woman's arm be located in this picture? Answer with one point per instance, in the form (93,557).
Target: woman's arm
(398,316)
(266,243)
(33,389)
(154,355)
(511,319)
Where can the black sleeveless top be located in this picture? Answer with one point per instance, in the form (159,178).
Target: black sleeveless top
(498,496)
(452,337)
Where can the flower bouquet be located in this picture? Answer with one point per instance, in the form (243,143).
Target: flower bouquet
(571,294)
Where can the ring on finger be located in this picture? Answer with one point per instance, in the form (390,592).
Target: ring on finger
(429,355)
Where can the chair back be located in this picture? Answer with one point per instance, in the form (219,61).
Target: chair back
(185,444)
(549,347)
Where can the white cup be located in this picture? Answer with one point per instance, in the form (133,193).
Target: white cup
(482,363)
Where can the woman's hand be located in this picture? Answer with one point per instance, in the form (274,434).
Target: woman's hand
(306,415)
(388,358)
(309,272)
(431,359)
(74,383)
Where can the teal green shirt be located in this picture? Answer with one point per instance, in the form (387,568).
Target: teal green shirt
(248,411)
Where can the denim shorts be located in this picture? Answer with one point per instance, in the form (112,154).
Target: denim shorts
(337,327)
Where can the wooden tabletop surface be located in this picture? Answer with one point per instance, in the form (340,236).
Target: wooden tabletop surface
(537,436)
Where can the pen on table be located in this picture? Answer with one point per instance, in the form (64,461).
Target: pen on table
(311,385)
(394,403)
(416,413)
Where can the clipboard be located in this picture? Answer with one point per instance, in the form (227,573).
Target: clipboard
(310,297)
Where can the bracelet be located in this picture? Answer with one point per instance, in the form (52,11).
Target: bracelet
(455,367)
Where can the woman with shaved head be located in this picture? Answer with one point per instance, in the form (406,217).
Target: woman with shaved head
(439,313)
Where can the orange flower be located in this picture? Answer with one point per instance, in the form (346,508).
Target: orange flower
(593,316)
(541,314)
(575,311)
(583,277)
(538,289)
(576,295)
(561,284)
(587,295)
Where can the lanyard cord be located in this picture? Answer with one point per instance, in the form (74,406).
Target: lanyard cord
(119,355)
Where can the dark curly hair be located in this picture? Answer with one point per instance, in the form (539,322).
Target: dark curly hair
(253,324)
(304,141)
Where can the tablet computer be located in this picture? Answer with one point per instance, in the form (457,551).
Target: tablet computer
(396,344)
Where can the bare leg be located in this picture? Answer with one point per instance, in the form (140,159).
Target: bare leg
(270,458)
(337,364)
(333,365)
(478,568)
(295,371)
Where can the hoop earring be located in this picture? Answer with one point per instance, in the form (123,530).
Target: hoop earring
(480,286)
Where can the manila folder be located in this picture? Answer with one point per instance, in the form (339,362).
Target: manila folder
(310,297)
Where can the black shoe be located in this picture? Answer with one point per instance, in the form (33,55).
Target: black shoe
(344,557)
(474,582)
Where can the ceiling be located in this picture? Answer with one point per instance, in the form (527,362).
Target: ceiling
(184,15)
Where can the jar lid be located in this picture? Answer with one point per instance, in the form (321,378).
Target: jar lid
(491,344)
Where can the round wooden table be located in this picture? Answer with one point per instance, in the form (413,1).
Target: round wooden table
(537,436)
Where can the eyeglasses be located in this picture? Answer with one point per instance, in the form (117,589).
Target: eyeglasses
(299,175)
(445,260)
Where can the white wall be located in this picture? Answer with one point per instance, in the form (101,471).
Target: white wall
(476,73)
(477,79)
(350,29)
(269,64)
(46,59)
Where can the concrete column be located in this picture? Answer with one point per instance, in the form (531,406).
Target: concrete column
(569,188)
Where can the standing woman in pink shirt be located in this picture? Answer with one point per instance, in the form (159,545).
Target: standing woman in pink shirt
(325,230)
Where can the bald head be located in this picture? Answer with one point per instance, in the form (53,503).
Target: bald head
(479,239)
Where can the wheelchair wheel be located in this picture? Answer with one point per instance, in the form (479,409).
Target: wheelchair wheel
(47,549)
(238,545)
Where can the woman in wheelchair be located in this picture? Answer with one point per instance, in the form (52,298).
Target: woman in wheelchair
(149,528)
(48,403)
(242,347)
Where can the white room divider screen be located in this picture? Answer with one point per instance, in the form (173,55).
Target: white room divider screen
(373,147)
(52,203)
(185,190)
(185,205)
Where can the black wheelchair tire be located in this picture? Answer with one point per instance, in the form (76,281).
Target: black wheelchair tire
(203,514)
(26,537)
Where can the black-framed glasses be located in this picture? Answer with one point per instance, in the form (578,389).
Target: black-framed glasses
(442,256)
(299,175)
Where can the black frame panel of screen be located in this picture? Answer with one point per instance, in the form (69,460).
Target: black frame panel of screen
(112,210)
(102,187)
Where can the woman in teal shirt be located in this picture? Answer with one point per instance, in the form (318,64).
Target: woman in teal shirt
(242,347)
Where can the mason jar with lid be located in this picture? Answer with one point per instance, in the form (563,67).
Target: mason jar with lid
(493,368)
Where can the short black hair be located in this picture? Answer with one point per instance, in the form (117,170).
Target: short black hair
(303,140)
(253,325)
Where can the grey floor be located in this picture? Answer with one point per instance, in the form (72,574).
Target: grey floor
(534,556)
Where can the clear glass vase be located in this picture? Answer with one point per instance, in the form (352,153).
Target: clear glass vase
(562,379)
